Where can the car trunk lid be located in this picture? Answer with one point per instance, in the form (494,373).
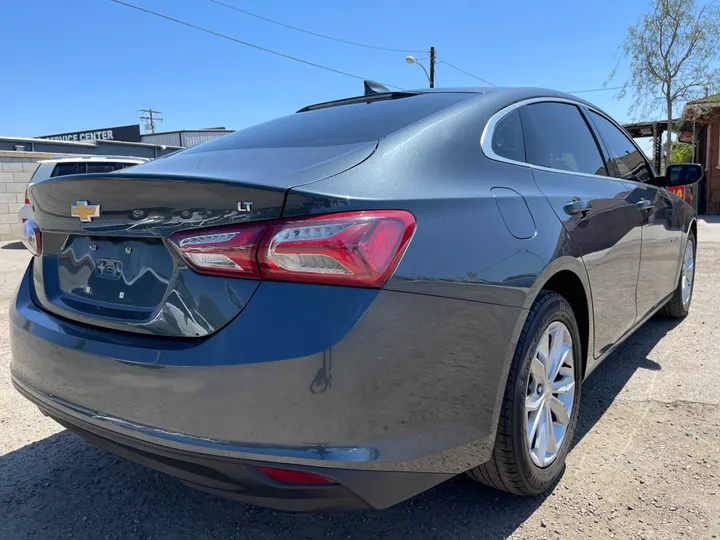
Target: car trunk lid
(106,260)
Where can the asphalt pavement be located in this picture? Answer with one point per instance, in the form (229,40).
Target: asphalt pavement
(645,463)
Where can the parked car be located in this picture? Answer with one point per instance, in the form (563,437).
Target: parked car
(63,166)
(346,306)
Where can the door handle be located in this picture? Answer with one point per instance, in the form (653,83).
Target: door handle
(644,204)
(576,206)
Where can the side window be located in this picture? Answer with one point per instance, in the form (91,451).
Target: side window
(62,169)
(508,138)
(628,161)
(557,136)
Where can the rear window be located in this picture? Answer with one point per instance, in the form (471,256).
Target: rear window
(105,166)
(341,124)
(63,169)
(91,167)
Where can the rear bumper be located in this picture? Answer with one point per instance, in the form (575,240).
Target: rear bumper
(237,478)
(390,392)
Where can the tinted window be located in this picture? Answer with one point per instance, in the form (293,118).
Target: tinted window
(119,166)
(508,138)
(628,161)
(103,167)
(62,169)
(557,136)
(342,124)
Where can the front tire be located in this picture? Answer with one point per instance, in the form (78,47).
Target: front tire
(541,402)
(679,305)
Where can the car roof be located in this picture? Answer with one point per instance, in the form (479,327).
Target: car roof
(511,93)
(515,92)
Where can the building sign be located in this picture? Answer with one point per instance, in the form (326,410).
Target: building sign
(120,133)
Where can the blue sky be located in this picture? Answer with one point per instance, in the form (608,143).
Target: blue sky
(82,64)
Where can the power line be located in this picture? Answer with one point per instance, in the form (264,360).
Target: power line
(491,84)
(465,72)
(357,44)
(595,90)
(258,47)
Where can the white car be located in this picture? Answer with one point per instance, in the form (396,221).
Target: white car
(62,166)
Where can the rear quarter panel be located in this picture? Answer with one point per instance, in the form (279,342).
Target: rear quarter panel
(462,248)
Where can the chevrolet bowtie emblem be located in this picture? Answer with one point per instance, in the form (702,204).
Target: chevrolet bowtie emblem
(85,211)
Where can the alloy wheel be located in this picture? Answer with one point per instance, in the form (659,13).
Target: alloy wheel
(550,394)
(688,273)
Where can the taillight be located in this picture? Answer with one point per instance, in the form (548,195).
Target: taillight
(360,249)
(31,237)
(294,477)
(356,248)
(222,251)
(27,201)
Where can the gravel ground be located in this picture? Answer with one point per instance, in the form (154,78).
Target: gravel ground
(646,460)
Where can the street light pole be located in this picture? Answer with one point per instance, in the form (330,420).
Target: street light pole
(430,76)
(432,67)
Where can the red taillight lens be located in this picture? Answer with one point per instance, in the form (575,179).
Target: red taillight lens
(355,248)
(31,237)
(293,477)
(27,201)
(222,251)
(359,249)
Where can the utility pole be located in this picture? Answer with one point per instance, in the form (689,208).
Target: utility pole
(432,67)
(150,119)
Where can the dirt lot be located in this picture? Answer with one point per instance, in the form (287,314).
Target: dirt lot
(646,460)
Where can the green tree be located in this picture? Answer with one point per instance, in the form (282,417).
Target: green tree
(680,153)
(672,52)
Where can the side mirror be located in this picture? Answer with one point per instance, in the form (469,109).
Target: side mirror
(681,174)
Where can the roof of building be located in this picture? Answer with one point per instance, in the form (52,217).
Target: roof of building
(219,129)
(645,129)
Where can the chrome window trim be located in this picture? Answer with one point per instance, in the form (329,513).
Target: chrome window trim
(489,131)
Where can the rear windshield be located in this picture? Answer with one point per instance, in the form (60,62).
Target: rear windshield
(342,124)
(92,167)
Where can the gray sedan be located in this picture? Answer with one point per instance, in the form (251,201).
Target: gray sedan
(346,306)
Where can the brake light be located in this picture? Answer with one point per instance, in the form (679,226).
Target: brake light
(359,249)
(31,237)
(356,248)
(27,201)
(293,477)
(222,251)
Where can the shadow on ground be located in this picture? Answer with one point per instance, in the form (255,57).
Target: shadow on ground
(62,487)
(13,245)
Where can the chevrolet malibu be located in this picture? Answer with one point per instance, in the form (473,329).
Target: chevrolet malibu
(346,306)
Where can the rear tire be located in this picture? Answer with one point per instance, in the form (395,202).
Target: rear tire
(679,305)
(515,466)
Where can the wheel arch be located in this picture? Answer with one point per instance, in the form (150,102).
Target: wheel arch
(690,227)
(567,277)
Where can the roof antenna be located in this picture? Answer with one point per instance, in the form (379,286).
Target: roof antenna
(372,88)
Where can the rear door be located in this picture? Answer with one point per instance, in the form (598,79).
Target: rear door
(595,209)
(662,226)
